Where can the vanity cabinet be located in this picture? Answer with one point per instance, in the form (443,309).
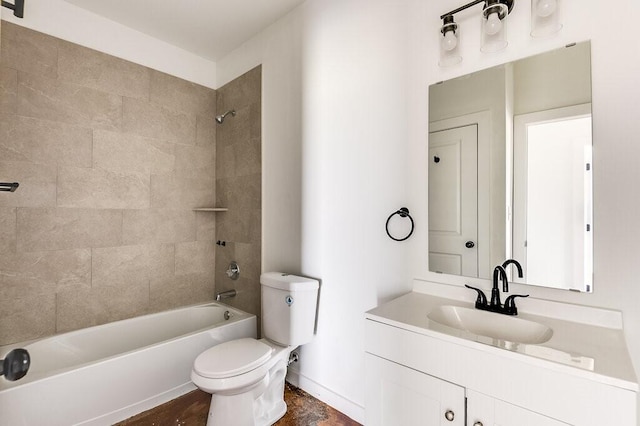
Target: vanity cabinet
(417,373)
(398,395)
(483,410)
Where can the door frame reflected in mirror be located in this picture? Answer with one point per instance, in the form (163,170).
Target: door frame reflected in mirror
(565,206)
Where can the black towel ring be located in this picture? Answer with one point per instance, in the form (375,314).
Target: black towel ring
(403,212)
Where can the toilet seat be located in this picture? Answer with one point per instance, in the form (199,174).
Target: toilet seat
(249,371)
(232,358)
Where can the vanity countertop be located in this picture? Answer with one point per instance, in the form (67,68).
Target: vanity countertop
(590,345)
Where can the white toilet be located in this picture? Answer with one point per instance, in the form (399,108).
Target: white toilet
(246,376)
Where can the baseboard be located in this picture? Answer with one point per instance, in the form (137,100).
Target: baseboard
(329,397)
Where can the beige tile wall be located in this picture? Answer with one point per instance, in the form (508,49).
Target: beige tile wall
(238,187)
(111,158)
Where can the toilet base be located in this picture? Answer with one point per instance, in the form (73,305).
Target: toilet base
(262,405)
(269,418)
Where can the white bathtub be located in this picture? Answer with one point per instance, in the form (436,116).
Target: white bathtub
(105,374)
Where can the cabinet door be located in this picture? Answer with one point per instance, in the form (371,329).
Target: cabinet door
(397,395)
(483,410)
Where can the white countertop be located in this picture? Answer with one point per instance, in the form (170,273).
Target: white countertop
(579,346)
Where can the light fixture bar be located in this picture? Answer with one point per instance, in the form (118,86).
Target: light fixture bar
(508,3)
(461,8)
(17,7)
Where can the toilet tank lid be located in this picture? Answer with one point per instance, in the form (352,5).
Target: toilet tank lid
(284,281)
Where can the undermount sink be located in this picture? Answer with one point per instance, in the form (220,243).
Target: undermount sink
(491,325)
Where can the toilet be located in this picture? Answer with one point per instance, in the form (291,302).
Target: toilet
(245,377)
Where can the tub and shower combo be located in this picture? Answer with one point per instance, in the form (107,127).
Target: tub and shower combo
(108,373)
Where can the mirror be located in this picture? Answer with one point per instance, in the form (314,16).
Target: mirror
(510,170)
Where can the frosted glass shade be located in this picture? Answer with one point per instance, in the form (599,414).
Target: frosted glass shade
(494,28)
(545,17)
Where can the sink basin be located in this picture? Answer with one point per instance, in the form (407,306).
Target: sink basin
(489,324)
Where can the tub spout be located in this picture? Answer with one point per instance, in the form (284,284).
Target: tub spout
(225,295)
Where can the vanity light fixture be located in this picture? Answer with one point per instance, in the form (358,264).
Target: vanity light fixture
(449,43)
(493,34)
(494,25)
(545,17)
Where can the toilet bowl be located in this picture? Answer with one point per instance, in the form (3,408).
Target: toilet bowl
(246,380)
(246,376)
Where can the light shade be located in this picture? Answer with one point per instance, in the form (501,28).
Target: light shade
(545,17)
(449,43)
(494,26)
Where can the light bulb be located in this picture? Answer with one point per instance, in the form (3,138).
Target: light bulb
(449,41)
(494,24)
(546,8)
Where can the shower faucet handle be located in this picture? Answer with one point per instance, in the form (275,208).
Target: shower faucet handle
(233,271)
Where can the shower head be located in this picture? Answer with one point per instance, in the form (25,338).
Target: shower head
(220,118)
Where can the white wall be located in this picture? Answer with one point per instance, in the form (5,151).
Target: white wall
(68,22)
(335,129)
(355,129)
(358,72)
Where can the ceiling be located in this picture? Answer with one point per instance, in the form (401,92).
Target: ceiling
(208,28)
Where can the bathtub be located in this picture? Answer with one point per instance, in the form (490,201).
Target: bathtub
(108,373)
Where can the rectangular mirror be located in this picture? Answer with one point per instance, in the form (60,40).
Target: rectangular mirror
(510,171)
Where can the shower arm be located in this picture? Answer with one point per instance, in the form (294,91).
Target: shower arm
(220,118)
(9,186)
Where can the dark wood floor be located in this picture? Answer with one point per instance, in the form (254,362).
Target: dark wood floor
(192,409)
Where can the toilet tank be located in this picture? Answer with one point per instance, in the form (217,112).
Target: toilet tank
(288,308)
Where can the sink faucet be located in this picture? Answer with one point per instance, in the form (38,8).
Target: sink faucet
(498,273)
(495,305)
(514,263)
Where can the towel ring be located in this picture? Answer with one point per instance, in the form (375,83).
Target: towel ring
(403,212)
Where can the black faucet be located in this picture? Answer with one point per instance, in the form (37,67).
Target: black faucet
(498,273)
(494,305)
(516,264)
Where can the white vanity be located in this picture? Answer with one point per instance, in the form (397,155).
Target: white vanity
(425,367)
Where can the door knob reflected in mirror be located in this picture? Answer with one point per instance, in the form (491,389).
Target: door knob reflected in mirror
(469,244)
(449,415)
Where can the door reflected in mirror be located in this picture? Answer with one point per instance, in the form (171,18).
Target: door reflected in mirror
(510,170)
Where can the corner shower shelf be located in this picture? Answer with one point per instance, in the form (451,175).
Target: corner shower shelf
(211,209)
